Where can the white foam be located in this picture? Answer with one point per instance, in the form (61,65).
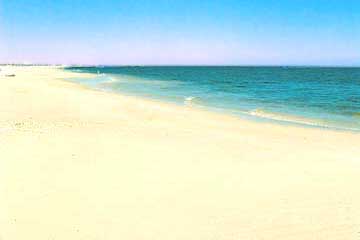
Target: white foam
(189,100)
(286,118)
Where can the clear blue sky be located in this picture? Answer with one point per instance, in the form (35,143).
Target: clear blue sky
(294,32)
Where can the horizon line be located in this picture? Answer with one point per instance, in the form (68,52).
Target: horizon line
(181,65)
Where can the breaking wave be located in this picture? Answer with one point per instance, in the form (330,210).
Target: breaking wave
(287,118)
(190,100)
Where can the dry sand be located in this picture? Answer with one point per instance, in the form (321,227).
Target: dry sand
(81,164)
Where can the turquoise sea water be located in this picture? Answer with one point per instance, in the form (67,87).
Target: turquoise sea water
(311,96)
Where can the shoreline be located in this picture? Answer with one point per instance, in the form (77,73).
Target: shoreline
(247,117)
(254,114)
(77,163)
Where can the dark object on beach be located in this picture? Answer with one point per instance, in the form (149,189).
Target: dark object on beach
(9,75)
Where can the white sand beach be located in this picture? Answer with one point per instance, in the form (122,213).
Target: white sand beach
(76,163)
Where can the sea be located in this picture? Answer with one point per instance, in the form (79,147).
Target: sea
(321,97)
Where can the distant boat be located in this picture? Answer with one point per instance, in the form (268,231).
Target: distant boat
(9,75)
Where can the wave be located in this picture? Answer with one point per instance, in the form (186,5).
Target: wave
(189,100)
(287,118)
(299,120)
(100,73)
(107,81)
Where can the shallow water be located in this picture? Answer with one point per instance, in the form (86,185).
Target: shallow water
(312,96)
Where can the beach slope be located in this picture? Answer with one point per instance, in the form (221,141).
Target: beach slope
(76,163)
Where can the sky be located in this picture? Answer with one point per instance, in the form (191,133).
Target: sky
(179,32)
